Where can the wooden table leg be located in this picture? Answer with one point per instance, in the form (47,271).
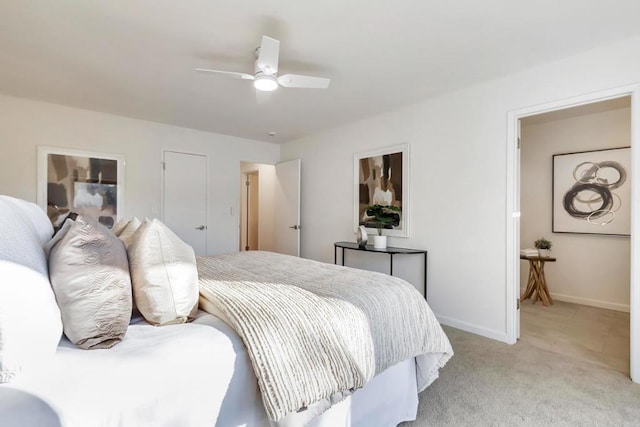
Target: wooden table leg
(530,284)
(543,285)
(537,287)
(542,292)
(534,267)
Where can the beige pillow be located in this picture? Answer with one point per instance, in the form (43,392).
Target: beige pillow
(164,274)
(120,226)
(127,233)
(89,274)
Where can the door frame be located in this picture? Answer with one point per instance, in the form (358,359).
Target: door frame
(513,210)
(208,180)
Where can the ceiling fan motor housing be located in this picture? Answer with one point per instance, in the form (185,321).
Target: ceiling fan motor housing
(265,82)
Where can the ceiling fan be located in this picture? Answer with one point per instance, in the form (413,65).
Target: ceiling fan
(265,77)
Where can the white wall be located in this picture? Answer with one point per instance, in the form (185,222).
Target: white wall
(458,178)
(590,269)
(25,124)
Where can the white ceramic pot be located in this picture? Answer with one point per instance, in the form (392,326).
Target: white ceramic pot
(544,252)
(380,242)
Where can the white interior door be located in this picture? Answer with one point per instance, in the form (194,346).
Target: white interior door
(185,197)
(287,208)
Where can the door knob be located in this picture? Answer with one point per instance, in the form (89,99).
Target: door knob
(295,227)
(202,227)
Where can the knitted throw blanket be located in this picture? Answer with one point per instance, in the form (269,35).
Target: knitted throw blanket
(316,332)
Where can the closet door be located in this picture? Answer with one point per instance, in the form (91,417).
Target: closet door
(185,197)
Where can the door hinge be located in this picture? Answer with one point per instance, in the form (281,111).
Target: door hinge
(518,303)
(247,183)
(518,143)
(164,165)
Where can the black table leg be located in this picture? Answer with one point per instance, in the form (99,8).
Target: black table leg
(425,275)
(343,256)
(391,265)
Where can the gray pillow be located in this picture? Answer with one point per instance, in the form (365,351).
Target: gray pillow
(164,274)
(89,273)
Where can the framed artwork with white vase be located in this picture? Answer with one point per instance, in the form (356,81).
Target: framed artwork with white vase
(381,189)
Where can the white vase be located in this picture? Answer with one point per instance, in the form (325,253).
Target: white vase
(544,252)
(361,236)
(380,242)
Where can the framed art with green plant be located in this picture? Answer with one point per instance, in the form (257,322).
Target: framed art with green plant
(381,189)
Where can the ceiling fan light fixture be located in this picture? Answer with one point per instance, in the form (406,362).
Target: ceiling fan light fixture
(265,82)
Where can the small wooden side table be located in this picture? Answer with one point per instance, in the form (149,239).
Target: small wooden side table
(537,282)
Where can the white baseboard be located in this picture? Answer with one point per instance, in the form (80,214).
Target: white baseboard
(590,302)
(474,329)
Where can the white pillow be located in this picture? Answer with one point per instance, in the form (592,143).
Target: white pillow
(90,276)
(37,216)
(164,274)
(30,325)
(120,226)
(127,233)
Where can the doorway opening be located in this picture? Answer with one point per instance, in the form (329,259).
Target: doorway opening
(256,206)
(270,207)
(249,212)
(513,241)
(587,274)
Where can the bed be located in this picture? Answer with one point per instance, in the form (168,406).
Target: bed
(201,373)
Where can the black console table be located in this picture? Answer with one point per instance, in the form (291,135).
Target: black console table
(388,250)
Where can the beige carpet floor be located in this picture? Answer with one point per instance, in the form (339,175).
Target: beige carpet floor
(488,383)
(587,333)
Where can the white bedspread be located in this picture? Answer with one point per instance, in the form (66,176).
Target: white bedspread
(316,332)
(195,374)
(189,375)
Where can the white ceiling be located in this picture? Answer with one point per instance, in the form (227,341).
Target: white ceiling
(136,57)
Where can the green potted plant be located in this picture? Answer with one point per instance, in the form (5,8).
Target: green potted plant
(544,246)
(383,216)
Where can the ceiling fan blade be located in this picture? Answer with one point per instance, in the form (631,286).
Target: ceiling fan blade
(296,80)
(243,76)
(268,55)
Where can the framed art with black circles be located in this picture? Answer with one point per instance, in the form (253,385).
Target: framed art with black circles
(592,192)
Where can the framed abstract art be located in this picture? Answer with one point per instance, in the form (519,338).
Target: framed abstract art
(592,192)
(381,177)
(79,181)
